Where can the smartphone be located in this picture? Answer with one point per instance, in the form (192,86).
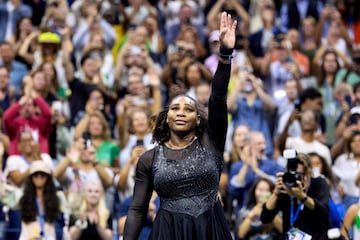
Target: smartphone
(87,139)
(348,100)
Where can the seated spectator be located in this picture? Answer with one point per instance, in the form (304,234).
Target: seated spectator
(16,172)
(250,226)
(307,142)
(31,113)
(39,206)
(17,166)
(247,103)
(94,220)
(202,93)
(253,165)
(289,122)
(154,205)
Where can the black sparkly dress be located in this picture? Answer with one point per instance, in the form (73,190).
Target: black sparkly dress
(186,181)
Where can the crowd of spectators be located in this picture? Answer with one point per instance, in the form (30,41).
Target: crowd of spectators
(81,80)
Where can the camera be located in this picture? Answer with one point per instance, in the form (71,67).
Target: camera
(87,139)
(291,175)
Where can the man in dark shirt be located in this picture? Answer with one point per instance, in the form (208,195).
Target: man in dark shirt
(302,199)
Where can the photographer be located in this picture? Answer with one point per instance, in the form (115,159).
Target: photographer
(303,200)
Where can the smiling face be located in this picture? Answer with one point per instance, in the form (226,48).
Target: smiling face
(93,194)
(182,115)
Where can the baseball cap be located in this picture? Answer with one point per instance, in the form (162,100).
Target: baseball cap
(355,110)
(39,166)
(49,37)
(214,36)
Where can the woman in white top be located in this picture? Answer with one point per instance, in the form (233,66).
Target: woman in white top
(346,167)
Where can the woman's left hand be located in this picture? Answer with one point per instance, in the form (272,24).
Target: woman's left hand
(227,31)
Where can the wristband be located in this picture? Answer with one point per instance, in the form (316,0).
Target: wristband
(226,53)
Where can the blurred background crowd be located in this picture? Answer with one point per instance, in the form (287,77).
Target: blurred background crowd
(80,81)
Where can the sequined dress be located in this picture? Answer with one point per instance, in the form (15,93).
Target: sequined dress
(186,181)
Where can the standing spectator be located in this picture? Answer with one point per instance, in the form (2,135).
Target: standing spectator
(185,14)
(7,93)
(212,60)
(40,205)
(24,27)
(29,113)
(248,103)
(107,151)
(307,142)
(135,131)
(326,86)
(80,162)
(289,124)
(17,70)
(346,169)
(308,45)
(10,13)
(293,12)
(94,24)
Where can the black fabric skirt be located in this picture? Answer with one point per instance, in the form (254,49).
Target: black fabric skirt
(211,225)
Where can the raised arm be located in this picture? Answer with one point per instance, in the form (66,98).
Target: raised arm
(217,101)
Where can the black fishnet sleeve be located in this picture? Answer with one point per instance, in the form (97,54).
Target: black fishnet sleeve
(142,193)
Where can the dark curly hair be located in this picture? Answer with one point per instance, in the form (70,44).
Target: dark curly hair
(251,199)
(161,130)
(28,201)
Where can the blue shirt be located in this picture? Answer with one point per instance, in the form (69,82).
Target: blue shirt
(240,191)
(253,117)
(302,6)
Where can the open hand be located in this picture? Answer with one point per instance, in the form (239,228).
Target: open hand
(227,31)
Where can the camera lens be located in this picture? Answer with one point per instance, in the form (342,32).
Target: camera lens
(289,179)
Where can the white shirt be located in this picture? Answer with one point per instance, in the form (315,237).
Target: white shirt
(18,162)
(347,169)
(301,146)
